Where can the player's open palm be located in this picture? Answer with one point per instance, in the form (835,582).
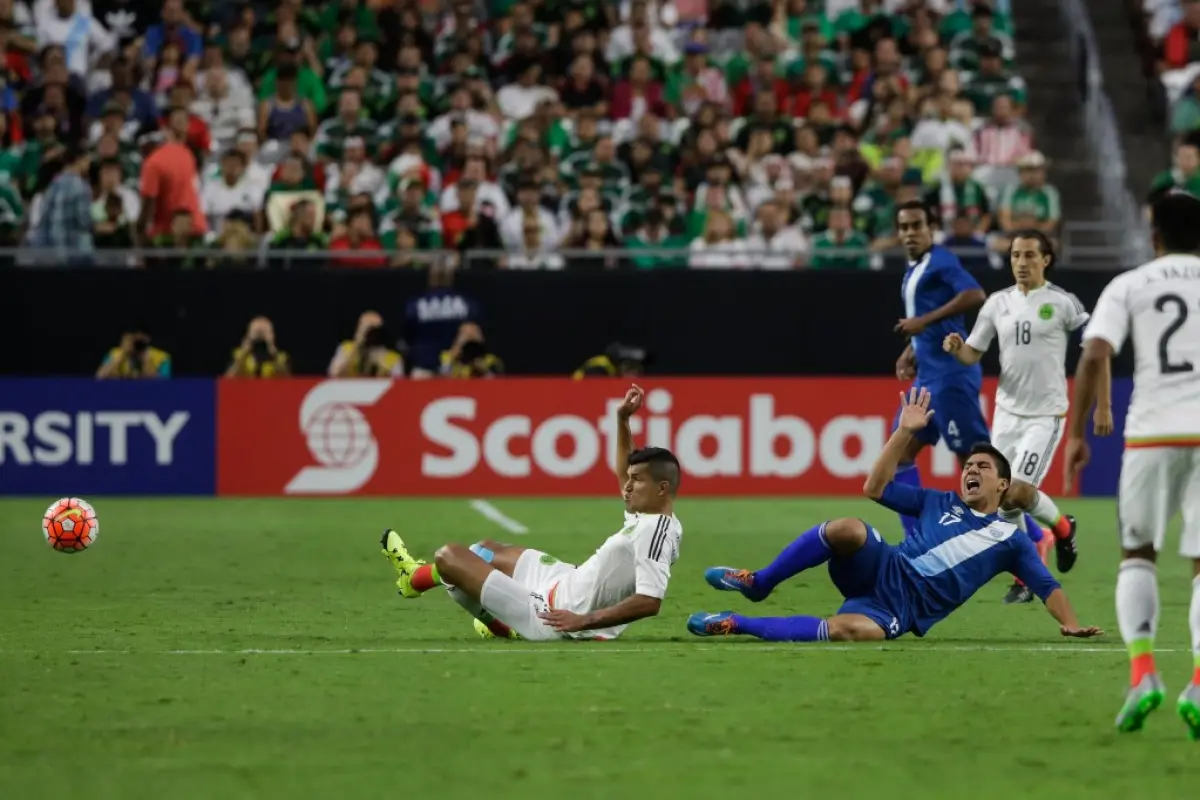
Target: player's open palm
(632,402)
(1080,633)
(915,412)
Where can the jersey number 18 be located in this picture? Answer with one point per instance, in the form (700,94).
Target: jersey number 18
(1023,331)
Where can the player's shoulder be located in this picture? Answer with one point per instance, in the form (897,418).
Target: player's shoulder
(1065,298)
(653,525)
(940,256)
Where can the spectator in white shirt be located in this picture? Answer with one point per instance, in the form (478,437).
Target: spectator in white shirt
(534,252)
(111,183)
(82,37)
(487,192)
(479,124)
(624,40)
(229,191)
(223,108)
(719,247)
(529,208)
(776,245)
(518,101)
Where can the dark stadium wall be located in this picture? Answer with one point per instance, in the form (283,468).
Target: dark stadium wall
(60,322)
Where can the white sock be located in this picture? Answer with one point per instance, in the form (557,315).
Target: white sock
(1194,621)
(1044,510)
(1016,516)
(1137,600)
(473,606)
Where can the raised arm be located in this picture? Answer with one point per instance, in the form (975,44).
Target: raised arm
(629,406)
(915,414)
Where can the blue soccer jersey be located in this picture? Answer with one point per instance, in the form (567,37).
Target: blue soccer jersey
(929,283)
(954,552)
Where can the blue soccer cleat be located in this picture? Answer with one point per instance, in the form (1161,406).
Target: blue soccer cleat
(702,623)
(731,579)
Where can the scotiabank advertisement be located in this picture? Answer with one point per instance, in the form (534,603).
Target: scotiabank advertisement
(733,436)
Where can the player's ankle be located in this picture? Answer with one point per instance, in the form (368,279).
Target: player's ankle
(1140,666)
(1062,528)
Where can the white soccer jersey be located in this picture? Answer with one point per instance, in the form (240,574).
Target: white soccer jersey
(1033,330)
(1158,304)
(635,560)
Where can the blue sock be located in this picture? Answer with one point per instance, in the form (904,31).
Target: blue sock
(1034,530)
(808,551)
(909,475)
(783,629)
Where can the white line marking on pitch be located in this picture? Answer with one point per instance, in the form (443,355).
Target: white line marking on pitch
(497,516)
(602,649)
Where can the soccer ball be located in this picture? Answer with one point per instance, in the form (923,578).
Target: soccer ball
(70,525)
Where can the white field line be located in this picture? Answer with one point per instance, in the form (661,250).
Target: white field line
(504,649)
(497,516)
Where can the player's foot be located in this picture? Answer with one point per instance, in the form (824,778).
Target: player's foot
(1018,594)
(404,563)
(1140,703)
(702,623)
(731,579)
(1189,710)
(485,632)
(1065,553)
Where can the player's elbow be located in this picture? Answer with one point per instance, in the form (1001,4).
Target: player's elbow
(873,488)
(649,606)
(974,298)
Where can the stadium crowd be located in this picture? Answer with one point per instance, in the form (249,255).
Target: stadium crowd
(540,133)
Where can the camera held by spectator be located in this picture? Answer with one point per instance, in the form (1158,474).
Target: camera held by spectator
(257,356)
(617,360)
(369,354)
(469,356)
(135,358)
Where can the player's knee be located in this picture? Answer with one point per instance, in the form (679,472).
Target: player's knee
(849,629)
(447,556)
(845,535)
(485,550)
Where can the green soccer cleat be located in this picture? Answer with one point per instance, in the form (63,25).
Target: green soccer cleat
(405,564)
(1141,701)
(1189,710)
(485,633)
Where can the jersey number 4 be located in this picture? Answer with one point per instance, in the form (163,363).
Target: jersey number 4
(1181,314)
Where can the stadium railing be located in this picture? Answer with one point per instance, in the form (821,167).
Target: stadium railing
(1125,232)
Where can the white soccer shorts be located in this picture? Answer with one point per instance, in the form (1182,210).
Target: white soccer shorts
(518,600)
(1156,484)
(1028,443)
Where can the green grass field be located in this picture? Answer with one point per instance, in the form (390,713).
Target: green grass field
(257,649)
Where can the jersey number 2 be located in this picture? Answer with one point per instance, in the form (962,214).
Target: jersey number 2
(1181,314)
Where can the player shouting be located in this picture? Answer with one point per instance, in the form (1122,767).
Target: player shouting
(1033,321)
(524,591)
(959,544)
(1156,305)
(937,291)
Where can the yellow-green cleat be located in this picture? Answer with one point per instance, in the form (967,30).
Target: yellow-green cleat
(485,633)
(402,560)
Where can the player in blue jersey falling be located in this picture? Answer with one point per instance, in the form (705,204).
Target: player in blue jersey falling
(937,293)
(958,545)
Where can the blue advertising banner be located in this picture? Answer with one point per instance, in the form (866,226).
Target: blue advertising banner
(83,436)
(1100,477)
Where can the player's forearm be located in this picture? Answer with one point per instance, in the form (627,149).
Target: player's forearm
(631,609)
(884,468)
(1060,608)
(1088,375)
(960,304)
(624,448)
(967,355)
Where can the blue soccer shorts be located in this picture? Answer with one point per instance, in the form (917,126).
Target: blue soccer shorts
(871,580)
(957,418)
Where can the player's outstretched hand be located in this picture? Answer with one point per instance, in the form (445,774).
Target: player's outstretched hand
(952,343)
(914,409)
(1080,633)
(1077,457)
(563,621)
(632,402)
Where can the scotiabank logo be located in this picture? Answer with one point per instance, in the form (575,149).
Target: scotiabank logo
(339,437)
(553,436)
(758,442)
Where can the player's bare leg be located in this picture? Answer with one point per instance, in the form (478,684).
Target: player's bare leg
(1137,617)
(1189,701)
(454,565)
(504,557)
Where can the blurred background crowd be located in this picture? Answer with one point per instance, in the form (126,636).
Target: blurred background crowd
(522,134)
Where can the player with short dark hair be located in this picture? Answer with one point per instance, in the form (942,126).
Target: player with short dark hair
(1155,306)
(937,293)
(511,589)
(959,544)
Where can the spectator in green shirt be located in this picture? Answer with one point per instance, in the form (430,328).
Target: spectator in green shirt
(840,246)
(309,85)
(1185,174)
(1032,203)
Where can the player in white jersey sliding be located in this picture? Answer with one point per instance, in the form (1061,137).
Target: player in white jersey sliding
(1033,320)
(1156,305)
(518,590)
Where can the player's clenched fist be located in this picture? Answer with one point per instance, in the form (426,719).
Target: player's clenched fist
(952,343)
